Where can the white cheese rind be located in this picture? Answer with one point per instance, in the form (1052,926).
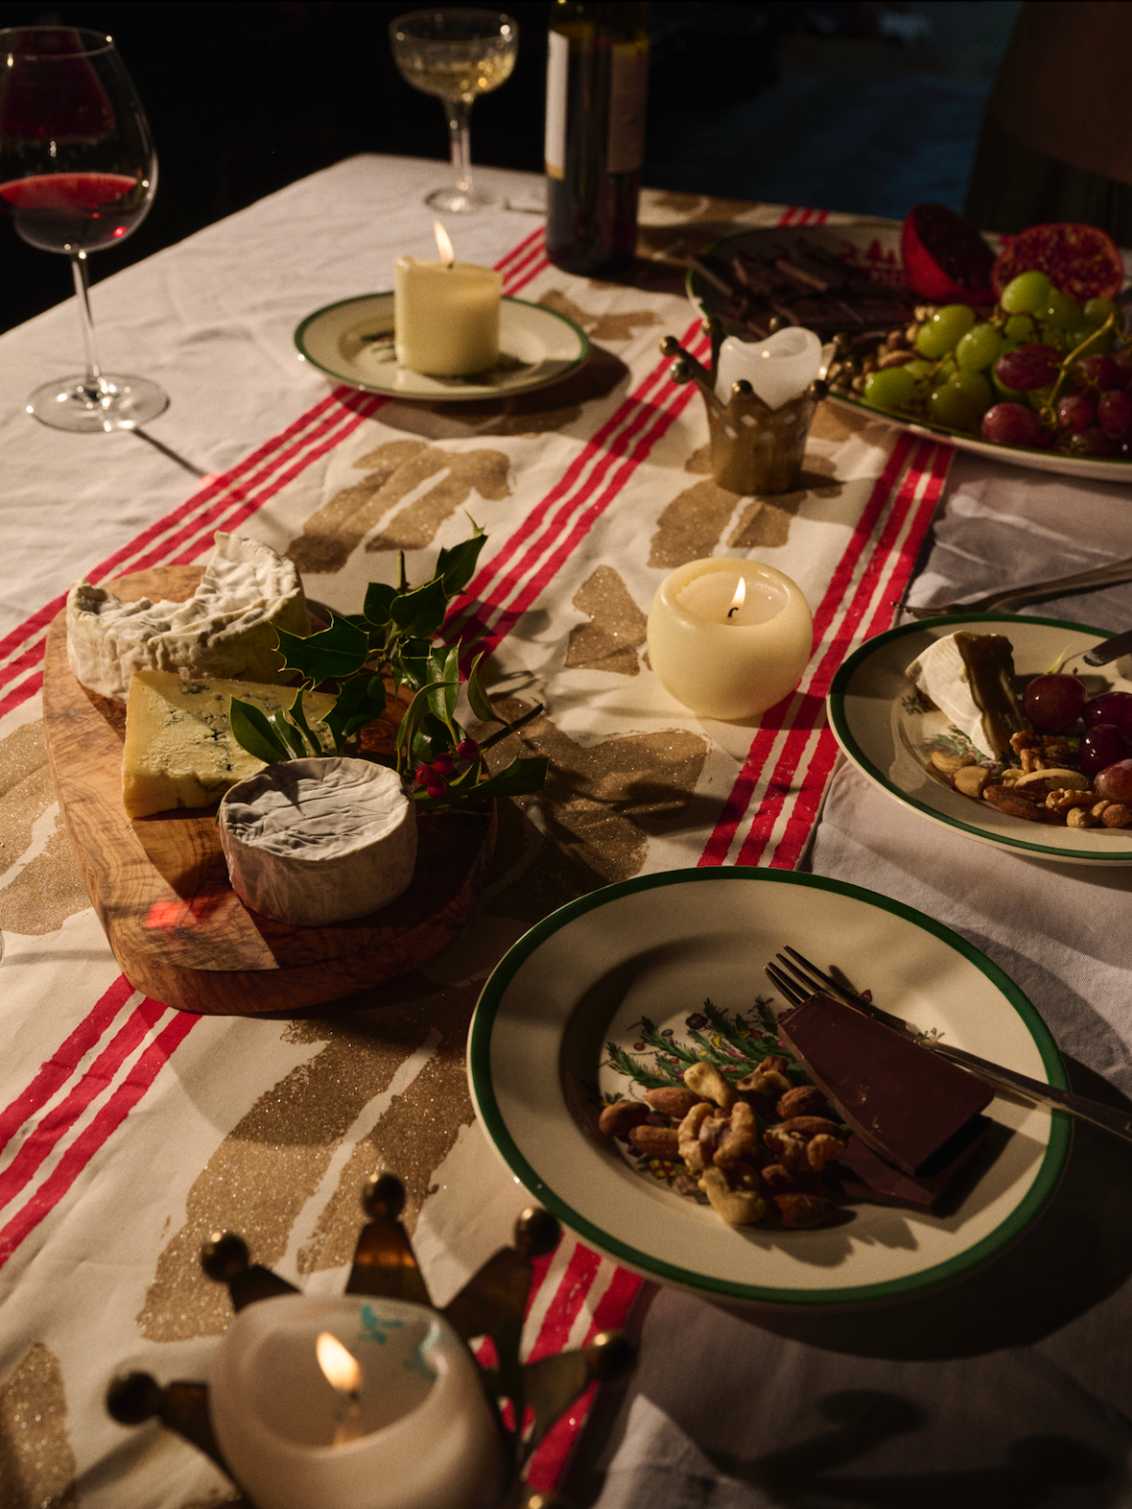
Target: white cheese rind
(227,627)
(319,841)
(940,674)
(180,750)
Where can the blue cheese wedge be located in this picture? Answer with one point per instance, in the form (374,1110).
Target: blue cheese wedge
(227,627)
(319,841)
(970,678)
(180,751)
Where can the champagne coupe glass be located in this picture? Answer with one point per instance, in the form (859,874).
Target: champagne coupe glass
(77,173)
(456,55)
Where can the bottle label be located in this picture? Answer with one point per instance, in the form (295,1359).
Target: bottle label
(557,77)
(629,72)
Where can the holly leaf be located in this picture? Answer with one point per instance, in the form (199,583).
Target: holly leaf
(252,731)
(413,663)
(524,775)
(334,653)
(478,700)
(298,716)
(378,600)
(420,612)
(289,735)
(445,671)
(458,565)
(361,700)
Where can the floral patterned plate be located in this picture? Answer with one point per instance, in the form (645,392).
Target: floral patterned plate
(607,995)
(885,731)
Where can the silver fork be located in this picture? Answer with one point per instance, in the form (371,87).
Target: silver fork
(1107,575)
(798,979)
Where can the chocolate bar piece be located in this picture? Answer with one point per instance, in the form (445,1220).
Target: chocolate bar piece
(865,1175)
(905,1101)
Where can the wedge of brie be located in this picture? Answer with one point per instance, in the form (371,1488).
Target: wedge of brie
(970,678)
(318,841)
(227,627)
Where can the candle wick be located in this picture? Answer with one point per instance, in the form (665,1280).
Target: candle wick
(734,608)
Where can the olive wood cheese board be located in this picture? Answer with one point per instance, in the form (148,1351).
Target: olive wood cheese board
(160,884)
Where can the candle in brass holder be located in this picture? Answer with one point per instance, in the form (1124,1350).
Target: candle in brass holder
(426,1429)
(755,448)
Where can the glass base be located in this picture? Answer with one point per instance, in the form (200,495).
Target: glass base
(456,201)
(115,403)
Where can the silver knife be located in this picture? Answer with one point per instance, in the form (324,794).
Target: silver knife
(1109,649)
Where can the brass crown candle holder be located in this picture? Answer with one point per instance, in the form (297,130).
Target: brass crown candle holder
(518,1402)
(754,448)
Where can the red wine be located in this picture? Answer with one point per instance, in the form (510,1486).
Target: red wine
(68,212)
(597,71)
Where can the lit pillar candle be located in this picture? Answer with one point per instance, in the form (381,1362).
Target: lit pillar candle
(780,368)
(729,638)
(354,1403)
(446,314)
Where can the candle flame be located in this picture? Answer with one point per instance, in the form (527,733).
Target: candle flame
(739,598)
(340,1367)
(443,244)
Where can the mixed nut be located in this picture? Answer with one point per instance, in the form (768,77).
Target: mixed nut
(761,1150)
(1045,786)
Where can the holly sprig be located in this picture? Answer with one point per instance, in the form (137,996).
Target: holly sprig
(385,649)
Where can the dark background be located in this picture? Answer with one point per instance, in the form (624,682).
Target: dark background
(869,107)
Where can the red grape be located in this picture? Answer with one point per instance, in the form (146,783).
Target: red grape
(1110,707)
(1115,782)
(1098,371)
(1093,442)
(1114,411)
(1053,703)
(1122,361)
(1012,424)
(1076,413)
(1102,746)
(1026,367)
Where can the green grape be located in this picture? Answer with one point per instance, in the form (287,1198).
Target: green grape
(1027,293)
(946,369)
(981,346)
(953,409)
(975,389)
(1061,312)
(1020,327)
(1074,337)
(944,330)
(891,388)
(919,371)
(1097,311)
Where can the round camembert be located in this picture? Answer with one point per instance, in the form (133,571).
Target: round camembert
(320,840)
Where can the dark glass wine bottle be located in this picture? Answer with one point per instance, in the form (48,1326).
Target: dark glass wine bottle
(596,82)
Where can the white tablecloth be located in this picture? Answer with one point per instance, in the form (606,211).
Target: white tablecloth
(720,1411)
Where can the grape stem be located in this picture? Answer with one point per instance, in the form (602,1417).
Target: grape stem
(1049,408)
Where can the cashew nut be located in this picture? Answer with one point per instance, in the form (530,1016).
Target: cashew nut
(738,1207)
(706,1080)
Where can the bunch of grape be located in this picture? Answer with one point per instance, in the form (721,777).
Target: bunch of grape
(1041,371)
(1056,704)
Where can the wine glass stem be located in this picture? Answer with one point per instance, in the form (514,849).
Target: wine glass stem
(93,380)
(460,139)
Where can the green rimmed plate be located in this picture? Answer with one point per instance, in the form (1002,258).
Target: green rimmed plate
(882,732)
(656,947)
(352,342)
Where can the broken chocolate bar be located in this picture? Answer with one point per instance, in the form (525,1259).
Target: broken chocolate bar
(865,1175)
(903,1100)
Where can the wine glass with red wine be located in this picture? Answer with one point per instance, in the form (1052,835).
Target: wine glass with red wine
(77,173)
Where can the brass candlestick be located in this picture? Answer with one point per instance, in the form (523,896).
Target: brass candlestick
(754,448)
(492,1303)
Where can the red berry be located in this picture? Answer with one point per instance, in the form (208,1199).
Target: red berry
(443,765)
(467,749)
(436,789)
(422,775)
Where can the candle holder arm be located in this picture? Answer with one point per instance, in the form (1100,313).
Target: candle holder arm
(181,1406)
(225,1260)
(554,1382)
(385,1265)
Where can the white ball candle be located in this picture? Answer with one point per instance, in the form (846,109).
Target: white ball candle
(409,1429)
(729,638)
(779,369)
